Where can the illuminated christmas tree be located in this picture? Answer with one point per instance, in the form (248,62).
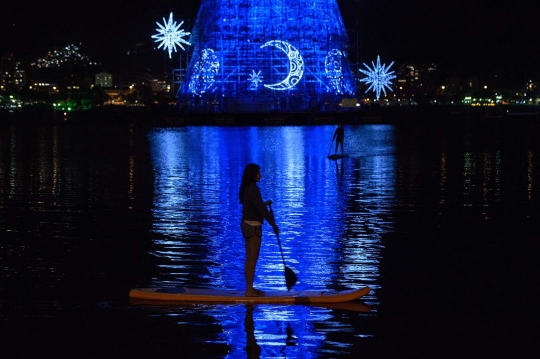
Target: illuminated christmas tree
(267,55)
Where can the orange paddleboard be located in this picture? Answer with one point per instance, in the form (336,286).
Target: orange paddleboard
(236,296)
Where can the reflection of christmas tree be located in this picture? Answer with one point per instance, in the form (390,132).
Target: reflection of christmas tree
(251,55)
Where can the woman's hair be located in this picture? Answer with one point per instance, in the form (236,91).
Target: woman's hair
(250,174)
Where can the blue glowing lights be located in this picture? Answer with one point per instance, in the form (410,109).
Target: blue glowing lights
(296,65)
(204,72)
(267,55)
(254,79)
(170,35)
(378,77)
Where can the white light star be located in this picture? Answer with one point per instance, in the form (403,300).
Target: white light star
(170,35)
(255,78)
(378,77)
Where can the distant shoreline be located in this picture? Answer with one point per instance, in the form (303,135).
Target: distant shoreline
(173,117)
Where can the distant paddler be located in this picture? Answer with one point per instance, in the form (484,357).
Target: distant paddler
(339,135)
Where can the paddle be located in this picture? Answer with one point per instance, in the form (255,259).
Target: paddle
(290,276)
(330,147)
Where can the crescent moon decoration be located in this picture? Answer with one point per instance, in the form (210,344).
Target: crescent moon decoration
(296,65)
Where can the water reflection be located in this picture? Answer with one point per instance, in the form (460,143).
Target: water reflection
(289,331)
(331,214)
(86,214)
(253,349)
(530,168)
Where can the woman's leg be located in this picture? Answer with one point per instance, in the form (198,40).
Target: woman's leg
(253,247)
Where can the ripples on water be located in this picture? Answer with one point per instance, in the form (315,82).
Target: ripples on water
(89,212)
(330,212)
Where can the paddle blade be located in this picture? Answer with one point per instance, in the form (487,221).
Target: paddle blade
(290,278)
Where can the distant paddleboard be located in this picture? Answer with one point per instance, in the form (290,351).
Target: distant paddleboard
(236,296)
(337,157)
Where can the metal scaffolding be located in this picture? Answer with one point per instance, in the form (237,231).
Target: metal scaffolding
(267,55)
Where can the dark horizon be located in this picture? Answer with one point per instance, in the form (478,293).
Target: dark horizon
(461,38)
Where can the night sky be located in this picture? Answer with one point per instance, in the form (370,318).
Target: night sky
(465,37)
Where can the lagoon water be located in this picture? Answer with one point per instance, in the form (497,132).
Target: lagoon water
(439,218)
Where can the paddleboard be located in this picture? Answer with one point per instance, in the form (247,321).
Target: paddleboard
(236,296)
(337,157)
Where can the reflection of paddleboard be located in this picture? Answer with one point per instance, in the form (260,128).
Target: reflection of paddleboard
(236,296)
(353,306)
(337,157)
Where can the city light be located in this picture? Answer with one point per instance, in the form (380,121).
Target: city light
(250,56)
(69,54)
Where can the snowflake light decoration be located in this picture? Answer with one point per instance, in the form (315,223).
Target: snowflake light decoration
(378,77)
(255,78)
(170,35)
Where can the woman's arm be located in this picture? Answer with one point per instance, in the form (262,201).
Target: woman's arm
(255,195)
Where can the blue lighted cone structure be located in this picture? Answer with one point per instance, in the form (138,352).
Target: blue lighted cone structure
(267,55)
